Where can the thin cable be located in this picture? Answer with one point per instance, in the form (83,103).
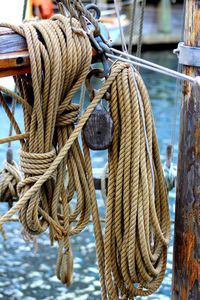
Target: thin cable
(24,10)
(141,106)
(124,48)
(154,67)
(178,90)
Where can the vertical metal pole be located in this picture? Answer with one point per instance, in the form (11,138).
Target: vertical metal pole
(186,261)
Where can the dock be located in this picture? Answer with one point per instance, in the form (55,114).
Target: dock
(161,27)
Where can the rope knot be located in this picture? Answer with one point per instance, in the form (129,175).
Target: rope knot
(36,163)
(9,178)
(67,116)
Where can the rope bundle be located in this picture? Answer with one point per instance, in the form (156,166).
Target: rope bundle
(78,11)
(132,255)
(137,214)
(9,179)
(60,57)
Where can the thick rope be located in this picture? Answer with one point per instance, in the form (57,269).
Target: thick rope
(60,57)
(137,214)
(10,175)
(132,25)
(77,10)
(132,255)
(141,25)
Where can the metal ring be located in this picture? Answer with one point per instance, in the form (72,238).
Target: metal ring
(95,8)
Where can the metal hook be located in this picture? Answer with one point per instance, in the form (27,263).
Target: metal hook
(94,7)
(98,73)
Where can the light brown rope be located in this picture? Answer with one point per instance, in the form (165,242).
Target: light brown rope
(9,178)
(60,57)
(132,255)
(137,214)
(13,138)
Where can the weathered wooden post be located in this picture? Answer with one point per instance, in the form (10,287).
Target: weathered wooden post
(186,261)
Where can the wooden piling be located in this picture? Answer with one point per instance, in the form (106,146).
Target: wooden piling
(186,261)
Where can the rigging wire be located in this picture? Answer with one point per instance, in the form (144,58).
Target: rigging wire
(152,66)
(178,88)
(24,9)
(124,48)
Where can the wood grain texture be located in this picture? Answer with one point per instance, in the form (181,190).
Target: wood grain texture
(186,262)
(14,63)
(98,131)
(14,56)
(11,41)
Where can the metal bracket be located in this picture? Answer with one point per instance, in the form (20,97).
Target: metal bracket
(187,55)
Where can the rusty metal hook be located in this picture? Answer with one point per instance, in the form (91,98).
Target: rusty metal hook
(98,73)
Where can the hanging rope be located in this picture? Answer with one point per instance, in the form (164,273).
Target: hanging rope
(132,255)
(132,25)
(10,175)
(141,25)
(137,214)
(77,10)
(131,178)
(59,64)
(9,179)
(139,8)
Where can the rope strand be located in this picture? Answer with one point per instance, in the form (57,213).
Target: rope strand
(132,253)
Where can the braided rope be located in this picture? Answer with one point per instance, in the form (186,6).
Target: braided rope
(77,10)
(132,254)
(60,57)
(137,214)
(9,178)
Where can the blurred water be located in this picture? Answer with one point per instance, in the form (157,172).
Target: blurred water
(28,276)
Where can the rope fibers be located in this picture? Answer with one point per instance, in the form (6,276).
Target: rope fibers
(137,214)
(132,253)
(60,60)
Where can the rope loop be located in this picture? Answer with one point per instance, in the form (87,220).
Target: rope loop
(78,11)
(10,176)
(69,116)
(36,163)
(132,253)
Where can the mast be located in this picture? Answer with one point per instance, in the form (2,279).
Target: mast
(186,266)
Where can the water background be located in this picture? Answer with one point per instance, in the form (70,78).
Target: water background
(28,276)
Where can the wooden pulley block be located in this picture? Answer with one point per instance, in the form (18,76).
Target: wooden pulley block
(98,131)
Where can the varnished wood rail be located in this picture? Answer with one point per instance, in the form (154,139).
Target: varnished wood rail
(14,56)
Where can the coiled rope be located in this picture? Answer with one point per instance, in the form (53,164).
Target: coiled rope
(137,215)
(132,255)
(60,57)
(10,175)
